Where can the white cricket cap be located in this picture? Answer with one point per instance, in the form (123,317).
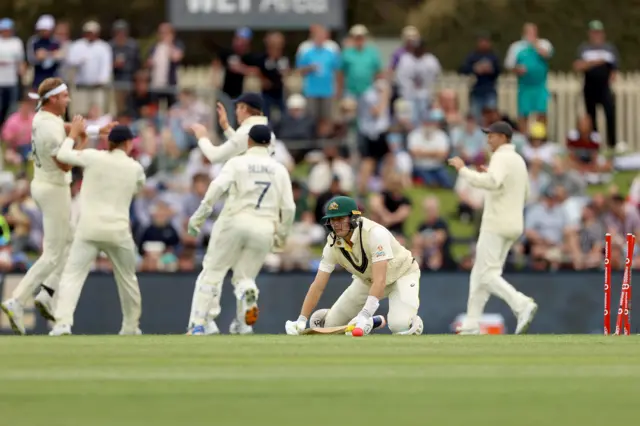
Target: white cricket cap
(296,101)
(45,23)
(91,27)
(358,30)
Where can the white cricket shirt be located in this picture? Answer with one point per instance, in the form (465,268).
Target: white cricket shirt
(237,143)
(47,134)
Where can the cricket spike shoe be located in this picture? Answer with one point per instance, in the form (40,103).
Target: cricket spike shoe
(61,330)
(525,317)
(15,313)
(197,330)
(44,305)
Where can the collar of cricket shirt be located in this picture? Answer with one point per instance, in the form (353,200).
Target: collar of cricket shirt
(258,150)
(255,119)
(506,147)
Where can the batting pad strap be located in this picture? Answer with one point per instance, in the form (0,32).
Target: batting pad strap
(371,305)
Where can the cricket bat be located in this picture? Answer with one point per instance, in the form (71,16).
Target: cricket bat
(378,322)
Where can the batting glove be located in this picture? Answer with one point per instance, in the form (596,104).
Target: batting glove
(294,328)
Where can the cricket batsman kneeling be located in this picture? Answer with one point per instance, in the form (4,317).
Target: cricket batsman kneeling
(381,267)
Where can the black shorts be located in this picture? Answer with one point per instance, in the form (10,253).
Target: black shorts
(374,148)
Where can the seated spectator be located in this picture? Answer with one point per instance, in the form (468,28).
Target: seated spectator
(297,125)
(449,103)
(470,201)
(431,245)
(573,189)
(538,147)
(374,119)
(16,133)
(159,231)
(333,191)
(141,102)
(469,142)
(546,231)
(331,166)
(539,180)
(391,208)
(583,144)
(429,147)
(622,219)
(187,111)
(589,247)
(416,74)
(25,219)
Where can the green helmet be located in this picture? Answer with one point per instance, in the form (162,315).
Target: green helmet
(341,206)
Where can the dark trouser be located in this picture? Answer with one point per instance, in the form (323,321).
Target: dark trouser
(8,98)
(271,102)
(604,97)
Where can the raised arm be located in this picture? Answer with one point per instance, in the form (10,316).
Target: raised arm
(66,154)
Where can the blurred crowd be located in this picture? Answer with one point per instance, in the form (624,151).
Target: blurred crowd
(377,128)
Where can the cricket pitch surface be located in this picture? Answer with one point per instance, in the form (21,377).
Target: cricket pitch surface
(319,380)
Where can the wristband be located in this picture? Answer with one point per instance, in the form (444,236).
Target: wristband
(371,306)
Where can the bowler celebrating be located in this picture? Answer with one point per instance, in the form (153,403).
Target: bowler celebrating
(110,181)
(257,214)
(381,267)
(507,184)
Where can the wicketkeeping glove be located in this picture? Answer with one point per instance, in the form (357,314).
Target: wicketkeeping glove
(294,328)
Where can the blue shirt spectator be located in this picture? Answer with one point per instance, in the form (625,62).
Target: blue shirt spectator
(43,51)
(322,64)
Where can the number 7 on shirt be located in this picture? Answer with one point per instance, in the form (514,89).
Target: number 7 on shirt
(264,191)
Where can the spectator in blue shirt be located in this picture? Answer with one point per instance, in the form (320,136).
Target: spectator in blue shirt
(319,65)
(484,64)
(43,51)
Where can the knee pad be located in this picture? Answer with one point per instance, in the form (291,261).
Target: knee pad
(415,327)
(244,285)
(317,318)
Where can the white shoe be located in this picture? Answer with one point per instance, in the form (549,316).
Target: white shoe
(61,330)
(525,317)
(211,328)
(15,312)
(250,307)
(44,305)
(238,327)
(137,332)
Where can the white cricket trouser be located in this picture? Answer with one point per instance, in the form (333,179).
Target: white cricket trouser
(486,279)
(404,301)
(123,258)
(241,244)
(55,203)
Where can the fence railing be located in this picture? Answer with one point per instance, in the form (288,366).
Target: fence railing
(565,106)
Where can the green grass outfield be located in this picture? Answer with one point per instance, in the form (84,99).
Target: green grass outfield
(319,380)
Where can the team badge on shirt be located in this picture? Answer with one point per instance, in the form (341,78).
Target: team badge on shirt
(380,252)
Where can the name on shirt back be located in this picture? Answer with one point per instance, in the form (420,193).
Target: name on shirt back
(260,168)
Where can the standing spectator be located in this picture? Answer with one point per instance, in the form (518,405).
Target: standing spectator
(599,61)
(410,39)
(361,63)
(43,51)
(237,62)
(429,147)
(274,67)
(93,59)
(62,34)
(374,119)
(164,58)
(313,35)
(416,75)
(318,65)
(126,61)
(11,65)
(484,65)
(529,59)
(141,103)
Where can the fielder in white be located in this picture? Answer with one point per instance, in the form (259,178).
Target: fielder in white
(258,214)
(381,267)
(249,113)
(506,182)
(50,189)
(110,181)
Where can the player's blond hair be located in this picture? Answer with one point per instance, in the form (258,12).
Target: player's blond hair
(47,85)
